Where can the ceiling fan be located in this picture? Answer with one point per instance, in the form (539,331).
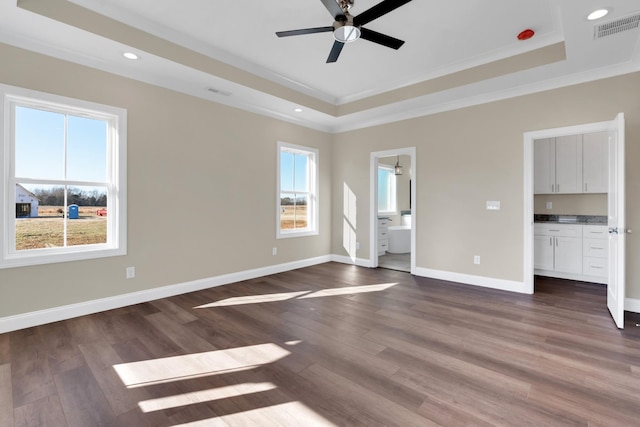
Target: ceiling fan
(348,28)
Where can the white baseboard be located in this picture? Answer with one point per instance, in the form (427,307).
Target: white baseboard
(360,262)
(41,317)
(468,279)
(632,305)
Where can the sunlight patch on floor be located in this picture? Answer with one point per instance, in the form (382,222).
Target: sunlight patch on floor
(200,396)
(254,299)
(284,296)
(176,368)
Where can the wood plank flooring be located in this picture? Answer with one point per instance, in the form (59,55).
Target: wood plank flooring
(332,345)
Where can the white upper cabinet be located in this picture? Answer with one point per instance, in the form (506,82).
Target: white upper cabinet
(571,164)
(595,162)
(544,166)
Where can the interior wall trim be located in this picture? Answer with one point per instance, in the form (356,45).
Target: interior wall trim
(344,259)
(41,317)
(632,305)
(468,279)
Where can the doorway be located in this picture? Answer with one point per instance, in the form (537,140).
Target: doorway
(393,209)
(615,207)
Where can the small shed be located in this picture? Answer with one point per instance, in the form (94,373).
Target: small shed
(26,203)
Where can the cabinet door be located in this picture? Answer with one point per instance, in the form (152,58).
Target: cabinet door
(544,166)
(568,254)
(595,162)
(569,164)
(543,252)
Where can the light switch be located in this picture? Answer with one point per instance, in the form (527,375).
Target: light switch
(493,205)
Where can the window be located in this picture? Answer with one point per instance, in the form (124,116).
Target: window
(297,191)
(386,190)
(64,161)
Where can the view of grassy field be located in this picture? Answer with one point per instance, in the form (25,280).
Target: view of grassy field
(290,213)
(48,229)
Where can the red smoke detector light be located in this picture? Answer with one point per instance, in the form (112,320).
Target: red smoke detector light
(526,34)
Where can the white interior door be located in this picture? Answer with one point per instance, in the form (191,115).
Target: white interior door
(617,224)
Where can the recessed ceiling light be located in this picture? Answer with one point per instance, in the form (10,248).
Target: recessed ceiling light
(130,55)
(298,110)
(597,14)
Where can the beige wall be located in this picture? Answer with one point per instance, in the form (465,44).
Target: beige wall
(468,156)
(570,204)
(183,148)
(180,149)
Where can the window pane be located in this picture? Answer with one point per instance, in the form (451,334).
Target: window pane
(300,212)
(44,226)
(287,211)
(39,144)
(301,172)
(87,223)
(86,149)
(384,190)
(286,170)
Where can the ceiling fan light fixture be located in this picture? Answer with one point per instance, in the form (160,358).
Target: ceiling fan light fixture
(346,33)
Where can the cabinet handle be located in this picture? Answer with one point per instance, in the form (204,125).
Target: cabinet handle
(595,266)
(550,241)
(557,188)
(556,242)
(552,189)
(556,231)
(585,187)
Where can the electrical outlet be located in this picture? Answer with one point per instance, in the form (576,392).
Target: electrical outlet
(131,272)
(357,246)
(274,251)
(549,205)
(476,259)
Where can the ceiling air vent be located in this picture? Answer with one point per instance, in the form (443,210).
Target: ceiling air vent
(617,26)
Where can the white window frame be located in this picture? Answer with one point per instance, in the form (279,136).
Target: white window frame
(116,119)
(392,190)
(312,192)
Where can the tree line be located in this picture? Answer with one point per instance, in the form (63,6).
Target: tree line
(290,201)
(55,196)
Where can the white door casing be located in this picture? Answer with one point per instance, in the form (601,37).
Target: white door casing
(616,210)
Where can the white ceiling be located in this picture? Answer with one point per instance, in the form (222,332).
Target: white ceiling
(442,37)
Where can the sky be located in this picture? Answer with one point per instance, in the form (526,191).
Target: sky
(40,147)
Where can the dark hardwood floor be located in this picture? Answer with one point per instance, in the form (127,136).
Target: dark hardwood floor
(332,345)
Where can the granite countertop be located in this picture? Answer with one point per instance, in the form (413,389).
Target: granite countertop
(571,219)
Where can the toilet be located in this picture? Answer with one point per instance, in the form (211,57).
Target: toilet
(400,235)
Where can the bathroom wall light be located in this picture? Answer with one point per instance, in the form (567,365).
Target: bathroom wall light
(398,168)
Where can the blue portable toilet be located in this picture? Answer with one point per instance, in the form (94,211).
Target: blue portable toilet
(73,211)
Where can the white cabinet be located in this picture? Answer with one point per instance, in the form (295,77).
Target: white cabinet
(571,164)
(595,248)
(595,164)
(383,235)
(558,165)
(558,247)
(571,251)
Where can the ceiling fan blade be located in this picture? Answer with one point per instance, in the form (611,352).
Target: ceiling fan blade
(333,8)
(335,51)
(377,11)
(383,39)
(304,31)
